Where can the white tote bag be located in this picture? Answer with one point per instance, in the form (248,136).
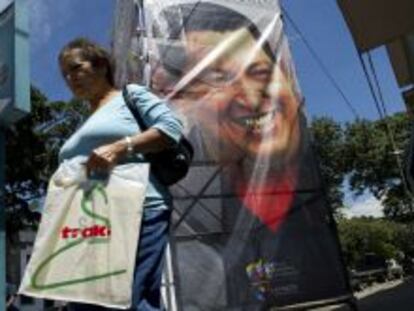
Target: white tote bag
(87,240)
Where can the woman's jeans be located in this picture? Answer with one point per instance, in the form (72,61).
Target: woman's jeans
(149,264)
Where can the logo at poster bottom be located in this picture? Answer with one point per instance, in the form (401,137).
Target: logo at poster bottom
(261,273)
(272,280)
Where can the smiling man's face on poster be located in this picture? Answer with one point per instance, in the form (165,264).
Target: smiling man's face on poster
(228,84)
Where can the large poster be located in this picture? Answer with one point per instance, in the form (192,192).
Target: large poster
(251,228)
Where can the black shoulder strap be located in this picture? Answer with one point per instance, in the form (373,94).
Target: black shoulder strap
(133,110)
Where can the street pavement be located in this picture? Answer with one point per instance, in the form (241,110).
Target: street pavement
(390,296)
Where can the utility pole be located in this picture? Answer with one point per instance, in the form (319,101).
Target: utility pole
(14,97)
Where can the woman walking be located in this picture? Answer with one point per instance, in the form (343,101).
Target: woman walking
(111,136)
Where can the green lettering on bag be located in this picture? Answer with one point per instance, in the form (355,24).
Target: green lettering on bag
(86,201)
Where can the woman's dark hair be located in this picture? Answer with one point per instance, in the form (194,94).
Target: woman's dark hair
(91,51)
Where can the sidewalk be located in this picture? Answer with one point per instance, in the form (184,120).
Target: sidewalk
(367,297)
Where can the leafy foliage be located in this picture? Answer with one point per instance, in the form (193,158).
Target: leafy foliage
(32,147)
(360,236)
(373,162)
(329,146)
(364,153)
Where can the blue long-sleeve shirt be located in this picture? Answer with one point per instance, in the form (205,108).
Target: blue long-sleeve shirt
(114,121)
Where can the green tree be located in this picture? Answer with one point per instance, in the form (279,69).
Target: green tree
(328,142)
(404,239)
(360,236)
(370,155)
(372,162)
(23,159)
(31,157)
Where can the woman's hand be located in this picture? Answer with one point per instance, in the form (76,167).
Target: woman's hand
(104,158)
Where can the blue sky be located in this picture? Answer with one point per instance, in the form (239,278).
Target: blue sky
(53,23)
(320,21)
(323,26)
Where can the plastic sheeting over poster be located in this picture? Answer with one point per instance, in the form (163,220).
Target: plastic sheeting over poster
(251,228)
